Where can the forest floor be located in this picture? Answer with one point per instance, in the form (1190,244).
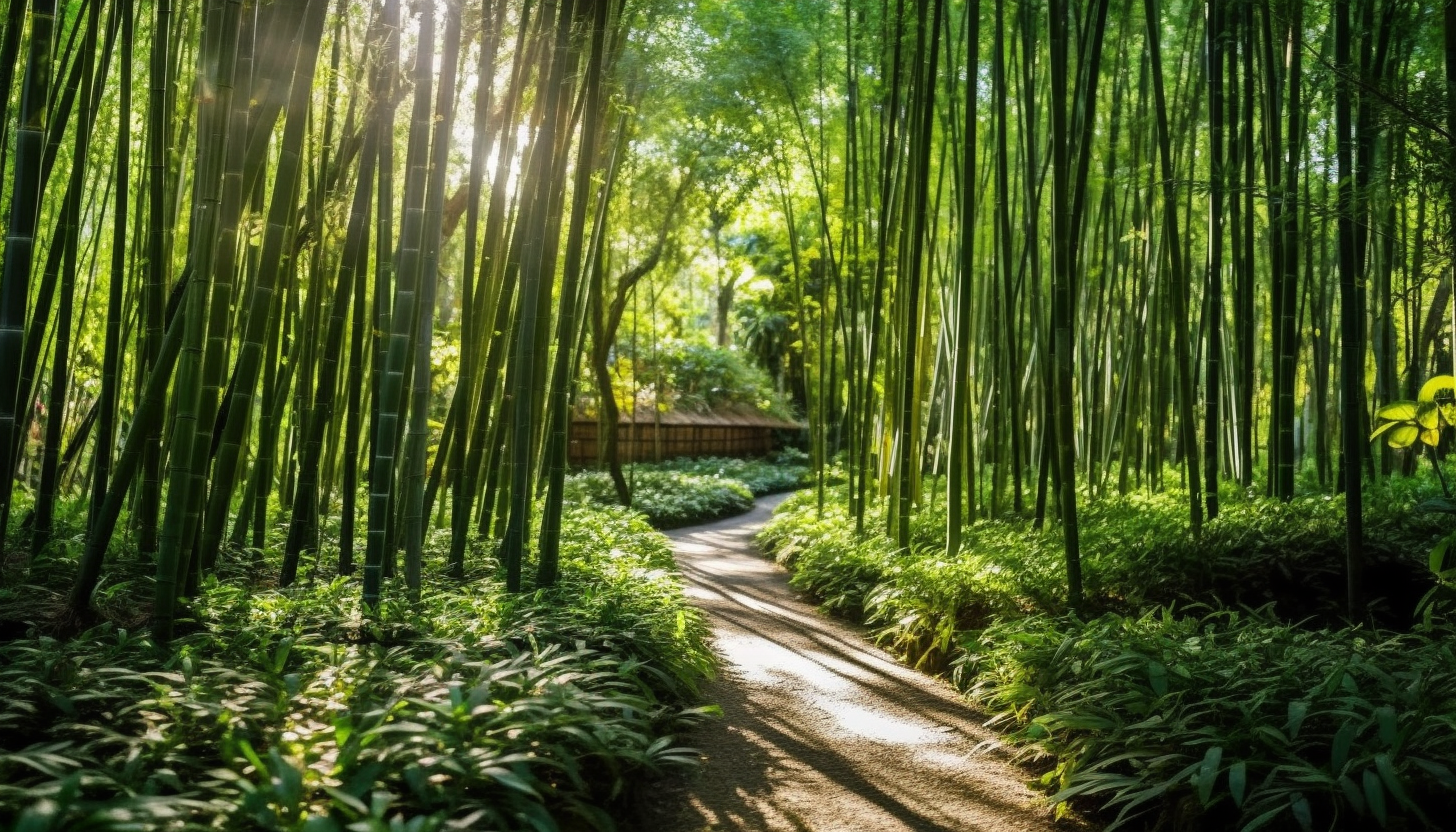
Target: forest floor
(821,731)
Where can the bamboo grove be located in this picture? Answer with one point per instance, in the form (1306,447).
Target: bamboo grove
(345,266)
(259,200)
(1067,249)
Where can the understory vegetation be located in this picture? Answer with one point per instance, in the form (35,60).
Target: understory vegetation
(684,492)
(288,287)
(293,709)
(1210,682)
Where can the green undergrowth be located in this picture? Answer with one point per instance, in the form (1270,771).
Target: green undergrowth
(287,710)
(1165,705)
(685,492)
(784,471)
(1227,721)
(670,499)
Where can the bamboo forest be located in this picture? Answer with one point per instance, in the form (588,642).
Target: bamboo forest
(761,415)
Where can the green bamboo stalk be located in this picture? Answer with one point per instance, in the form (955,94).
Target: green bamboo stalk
(303,526)
(25,204)
(417,436)
(147,417)
(565,358)
(111,358)
(959,382)
(280,221)
(70,229)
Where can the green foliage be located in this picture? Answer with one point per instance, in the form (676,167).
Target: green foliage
(1213,721)
(785,471)
(699,377)
(1138,553)
(286,710)
(1423,419)
(670,499)
(1228,721)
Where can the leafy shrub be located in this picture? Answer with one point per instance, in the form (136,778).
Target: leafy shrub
(285,710)
(761,476)
(826,559)
(694,376)
(1340,728)
(1260,551)
(670,499)
(1228,721)
(704,377)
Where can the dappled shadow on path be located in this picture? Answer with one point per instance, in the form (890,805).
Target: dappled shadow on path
(820,730)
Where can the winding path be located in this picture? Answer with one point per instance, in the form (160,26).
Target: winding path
(821,731)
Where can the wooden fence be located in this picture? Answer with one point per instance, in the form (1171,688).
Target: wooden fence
(648,441)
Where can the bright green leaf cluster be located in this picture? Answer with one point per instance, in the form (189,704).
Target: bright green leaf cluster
(1422,419)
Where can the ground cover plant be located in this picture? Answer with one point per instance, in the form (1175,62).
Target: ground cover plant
(782,471)
(686,491)
(1228,720)
(291,709)
(307,279)
(670,499)
(1163,704)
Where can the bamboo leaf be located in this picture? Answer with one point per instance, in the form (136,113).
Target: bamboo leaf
(1375,796)
(1340,747)
(1238,782)
(1299,806)
(1208,774)
(1297,711)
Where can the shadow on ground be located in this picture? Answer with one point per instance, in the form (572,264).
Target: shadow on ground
(822,731)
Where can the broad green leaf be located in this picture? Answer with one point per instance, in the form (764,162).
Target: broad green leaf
(1388,775)
(1398,411)
(1238,780)
(1352,794)
(510,779)
(1431,436)
(1340,747)
(1435,385)
(1263,820)
(343,798)
(1403,436)
(1385,719)
(1442,774)
(1427,416)
(1375,796)
(1385,428)
(1158,678)
(1208,774)
(1299,806)
(1438,554)
(1297,712)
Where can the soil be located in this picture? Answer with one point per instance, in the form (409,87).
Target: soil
(821,731)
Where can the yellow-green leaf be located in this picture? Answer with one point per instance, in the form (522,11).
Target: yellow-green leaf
(1427,416)
(1435,385)
(1388,426)
(1398,411)
(1403,436)
(1431,436)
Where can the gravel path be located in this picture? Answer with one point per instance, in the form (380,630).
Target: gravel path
(821,731)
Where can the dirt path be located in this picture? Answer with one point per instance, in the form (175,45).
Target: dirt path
(821,731)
